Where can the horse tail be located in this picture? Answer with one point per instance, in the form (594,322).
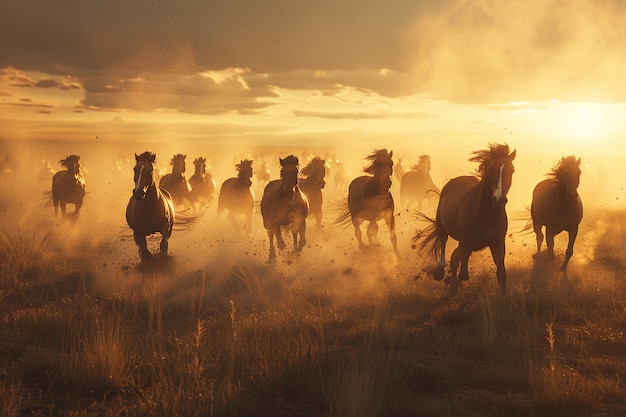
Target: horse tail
(345,216)
(429,236)
(524,216)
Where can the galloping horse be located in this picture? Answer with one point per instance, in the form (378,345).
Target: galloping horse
(283,204)
(312,185)
(175,182)
(557,206)
(416,185)
(236,194)
(68,186)
(202,183)
(369,199)
(472,211)
(150,209)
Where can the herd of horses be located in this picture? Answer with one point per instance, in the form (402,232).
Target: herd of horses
(470,208)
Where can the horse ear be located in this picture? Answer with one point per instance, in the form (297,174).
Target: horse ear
(513,154)
(578,161)
(390,154)
(153,157)
(136,158)
(280,160)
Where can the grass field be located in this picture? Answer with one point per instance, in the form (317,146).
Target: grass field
(214,330)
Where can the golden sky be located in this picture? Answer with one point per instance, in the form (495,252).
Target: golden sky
(530,73)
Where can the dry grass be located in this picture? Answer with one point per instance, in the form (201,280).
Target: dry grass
(80,339)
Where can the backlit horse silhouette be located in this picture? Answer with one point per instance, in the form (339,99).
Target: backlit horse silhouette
(176,183)
(557,206)
(236,195)
(284,205)
(68,186)
(312,185)
(472,211)
(150,209)
(202,183)
(369,199)
(416,185)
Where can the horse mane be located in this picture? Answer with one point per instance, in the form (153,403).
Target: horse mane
(308,169)
(422,160)
(146,156)
(177,156)
(242,164)
(373,157)
(556,171)
(290,160)
(69,161)
(199,160)
(485,157)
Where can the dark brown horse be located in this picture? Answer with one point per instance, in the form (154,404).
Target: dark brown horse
(284,205)
(472,211)
(150,209)
(416,185)
(68,186)
(369,199)
(312,185)
(557,206)
(176,183)
(202,183)
(236,195)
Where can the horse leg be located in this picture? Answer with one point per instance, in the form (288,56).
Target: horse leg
(279,238)
(497,253)
(140,240)
(570,247)
(550,242)
(538,235)
(62,204)
(163,246)
(55,203)
(372,232)
(391,224)
(248,225)
(356,222)
(270,235)
(77,208)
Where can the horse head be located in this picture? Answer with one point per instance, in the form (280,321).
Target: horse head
(200,165)
(72,163)
(289,168)
(568,174)
(144,174)
(381,167)
(244,168)
(315,171)
(178,164)
(496,171)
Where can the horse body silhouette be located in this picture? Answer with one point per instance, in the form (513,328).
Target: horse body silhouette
(262,174)
(557,206)
(176,183)
(202,183)
(150,209)
(472,211)
(416,185)
(284,205)
(369,199)
(312,185)
(236,195)
(68,186)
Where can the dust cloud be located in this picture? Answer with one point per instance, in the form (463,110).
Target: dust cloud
(203,244)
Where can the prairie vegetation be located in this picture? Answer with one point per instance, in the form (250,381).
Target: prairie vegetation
(88,330)
(82,338)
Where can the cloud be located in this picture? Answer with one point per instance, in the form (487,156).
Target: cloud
(500,51)
(470,51)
